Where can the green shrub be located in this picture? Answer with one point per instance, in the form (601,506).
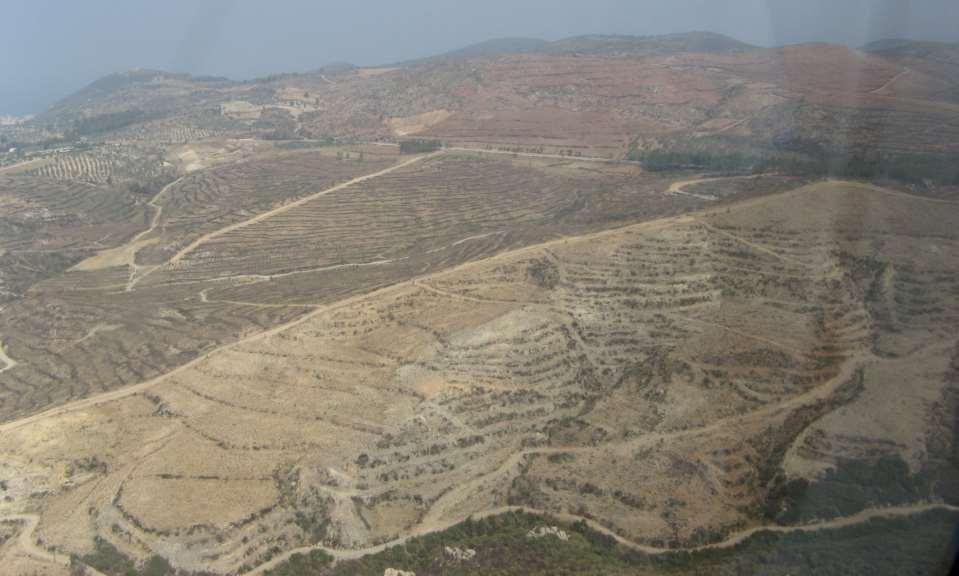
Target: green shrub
(309,564)
(419,146)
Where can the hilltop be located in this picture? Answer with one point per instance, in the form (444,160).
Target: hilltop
(685,94)
(596,45)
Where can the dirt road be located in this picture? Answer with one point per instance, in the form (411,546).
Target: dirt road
(436,519)
(437,516)
(120,393)
(729,542)
(889,82)
(25,165)
(125,255)
(678,187)
(26,543)
(286,207)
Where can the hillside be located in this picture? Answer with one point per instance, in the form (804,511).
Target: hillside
(606,304)
(938,57)
(639,46)
(510,381)
(493,47)
(593,95)
(595,45)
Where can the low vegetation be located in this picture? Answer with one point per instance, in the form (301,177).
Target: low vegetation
(237,320)
(850,487)
(419,146)
(312,562)
(866,165)
(921,544)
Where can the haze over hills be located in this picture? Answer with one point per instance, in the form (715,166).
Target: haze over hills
(596,44)
(690,305)
(615,96)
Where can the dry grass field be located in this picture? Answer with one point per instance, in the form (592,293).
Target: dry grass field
(707,357)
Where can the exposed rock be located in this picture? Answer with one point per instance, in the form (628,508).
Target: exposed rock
(543,531)
(460,554)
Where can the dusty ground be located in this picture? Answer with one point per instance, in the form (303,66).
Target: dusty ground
(684,357)
(237,248)
(226,336)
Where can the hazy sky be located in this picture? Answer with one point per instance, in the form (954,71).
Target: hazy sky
(50,48)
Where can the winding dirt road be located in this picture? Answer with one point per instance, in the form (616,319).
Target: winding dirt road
(26,539)
(26,543)
(729,542)
(125,255)
(678,187)
(437,518)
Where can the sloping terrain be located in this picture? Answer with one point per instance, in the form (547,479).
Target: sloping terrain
(608,280)
(246,246)
(937,59)
(699,357)
(46,226)
(593,94)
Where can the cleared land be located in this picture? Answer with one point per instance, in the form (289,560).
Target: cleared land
(47,226)
(205,270)
(703,354)
(241,333)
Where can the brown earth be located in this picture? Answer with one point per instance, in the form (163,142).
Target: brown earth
(687,355)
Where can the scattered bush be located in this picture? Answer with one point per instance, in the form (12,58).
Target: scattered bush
(863,165)
(309,564)
(419,146)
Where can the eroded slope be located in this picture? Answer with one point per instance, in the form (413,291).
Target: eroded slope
(668,380)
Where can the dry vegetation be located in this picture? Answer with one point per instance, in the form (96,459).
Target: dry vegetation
(46,226)
(228,248)
(233,329)
(706,358)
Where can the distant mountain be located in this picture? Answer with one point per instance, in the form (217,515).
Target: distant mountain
(903,47)
(619,45)
(114,84)
(601,45)
(939,59)
(491,47)
(609,93)
(111,83)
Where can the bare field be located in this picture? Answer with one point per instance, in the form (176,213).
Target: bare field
(242,247)
(701,356)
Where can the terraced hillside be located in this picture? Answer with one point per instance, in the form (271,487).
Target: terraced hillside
(208,200)
(593,95)
(47,226)
(606,280)
(105,164)
(244,246)
(431,213)
(719,359)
